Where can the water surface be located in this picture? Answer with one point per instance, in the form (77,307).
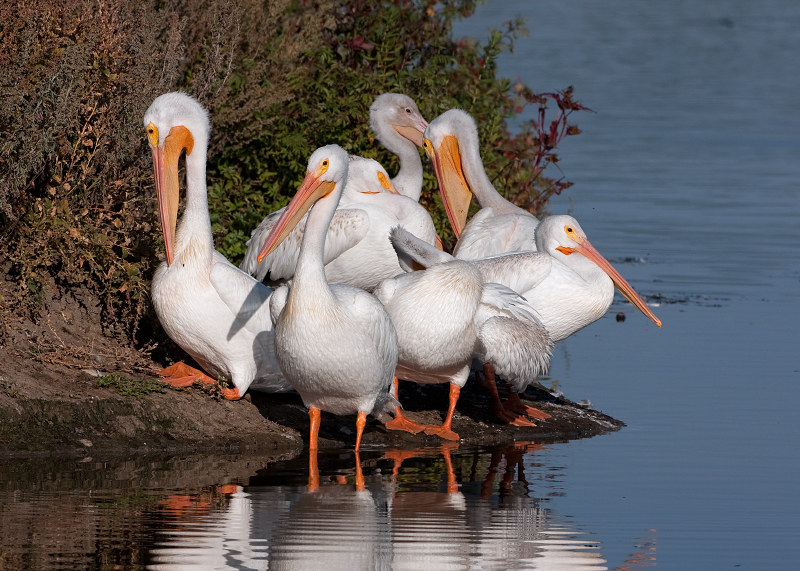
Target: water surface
(690,164)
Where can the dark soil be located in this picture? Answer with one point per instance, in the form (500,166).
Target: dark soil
(50,404)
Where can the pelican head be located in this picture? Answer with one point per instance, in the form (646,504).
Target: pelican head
(366,176)
(393,111)
(325,178)
(562,236)
(441,144)
(174,122)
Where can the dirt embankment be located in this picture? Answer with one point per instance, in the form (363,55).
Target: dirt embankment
(50,402)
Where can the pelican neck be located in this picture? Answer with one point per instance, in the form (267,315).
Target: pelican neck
(195,224)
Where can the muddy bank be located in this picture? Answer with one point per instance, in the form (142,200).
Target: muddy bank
(90,421)
(51,404)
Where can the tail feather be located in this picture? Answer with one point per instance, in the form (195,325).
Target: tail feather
(385,407)
(411,249)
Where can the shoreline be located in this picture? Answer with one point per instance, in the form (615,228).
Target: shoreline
(100,421)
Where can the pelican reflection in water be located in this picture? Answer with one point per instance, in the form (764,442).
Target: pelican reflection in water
(430,508)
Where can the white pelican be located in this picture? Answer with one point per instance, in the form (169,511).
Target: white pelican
(439,314)
(399,126)
(567,291)
(513,344)
(357,251)
(335,343)
(451,141)
(210,308)
(357,248)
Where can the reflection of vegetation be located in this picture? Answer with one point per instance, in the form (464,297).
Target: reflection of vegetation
(136,499)
(131,387)
(99,515)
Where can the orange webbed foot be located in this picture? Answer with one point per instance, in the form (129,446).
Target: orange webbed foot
(528,446)
(231,394)
(442,431)
(536,413)
(509,416)
(397,457)
(402,422)
(182,375)
(521,421)
(515,405)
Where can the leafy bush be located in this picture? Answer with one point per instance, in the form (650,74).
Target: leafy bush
(372,47)
(280,78)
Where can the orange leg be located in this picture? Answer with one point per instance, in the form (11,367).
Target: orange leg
(314,415)
(497,405)
(482,379)
(444,430)
(361,422)
(514,404)
(360,484)
(313,470)
(452,484)
(400,421)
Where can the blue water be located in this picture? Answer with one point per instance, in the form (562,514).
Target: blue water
(690,166)
(691,163)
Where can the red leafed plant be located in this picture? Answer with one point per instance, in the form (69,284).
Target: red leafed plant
(533,148)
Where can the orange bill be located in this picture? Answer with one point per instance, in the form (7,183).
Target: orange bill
(453,187)
(165,167)
(413,134)
(310,191)
(586,249)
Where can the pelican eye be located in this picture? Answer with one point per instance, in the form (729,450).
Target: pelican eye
(572,234)
(323,167)
(152,134)
(428,146)
(408,110)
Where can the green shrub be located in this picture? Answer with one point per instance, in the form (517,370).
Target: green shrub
(280,78)
(372,47)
